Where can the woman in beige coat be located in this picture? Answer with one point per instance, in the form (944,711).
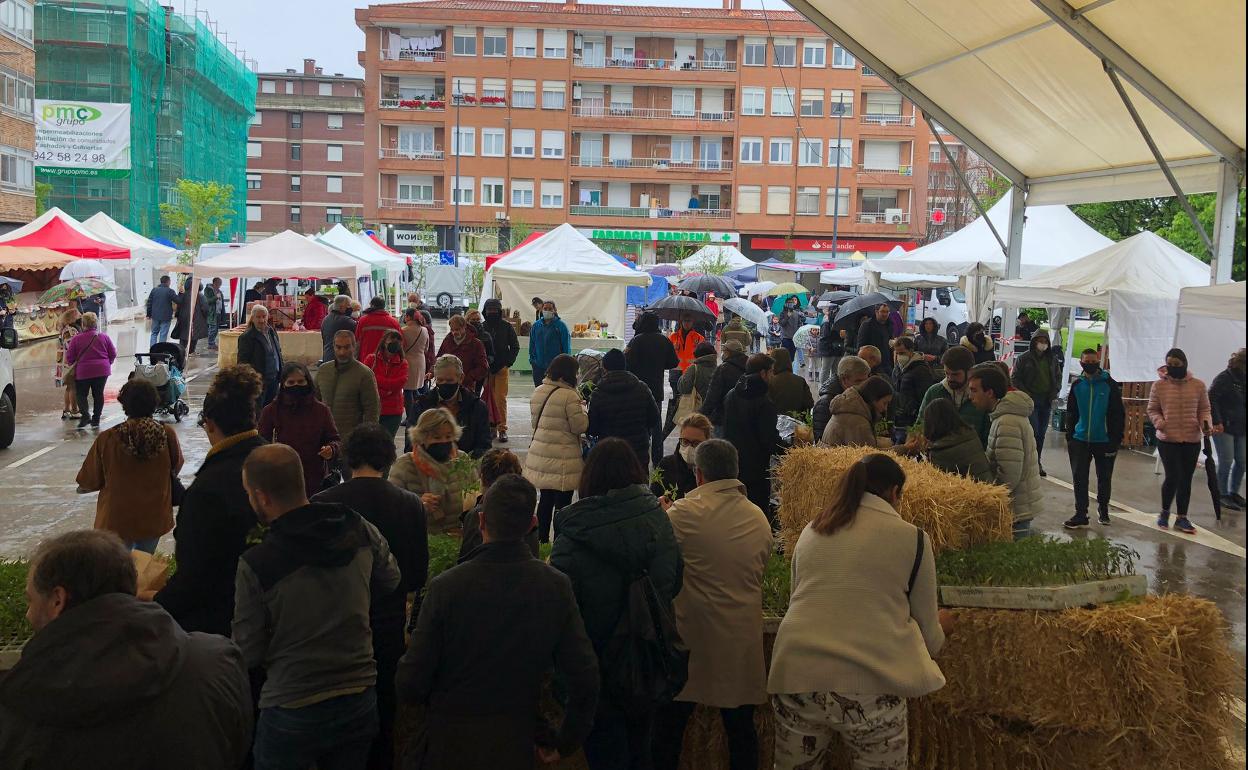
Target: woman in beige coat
(855,412)
(553,462)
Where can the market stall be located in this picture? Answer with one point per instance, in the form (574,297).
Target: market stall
(37,269)
(134,281)
(385,270)
(1210,326)
(729,255)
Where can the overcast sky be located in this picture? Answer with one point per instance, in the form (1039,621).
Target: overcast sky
(280,33)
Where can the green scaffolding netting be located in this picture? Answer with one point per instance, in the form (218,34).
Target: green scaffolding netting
(191,100)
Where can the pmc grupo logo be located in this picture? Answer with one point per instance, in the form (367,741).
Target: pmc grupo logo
(68,114)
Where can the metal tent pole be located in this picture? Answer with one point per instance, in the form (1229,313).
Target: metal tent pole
(1225,217)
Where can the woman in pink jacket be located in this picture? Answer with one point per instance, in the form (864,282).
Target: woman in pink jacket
(1178,407)
(91,354)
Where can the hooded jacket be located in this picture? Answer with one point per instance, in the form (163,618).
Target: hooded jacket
(390,371)
(1226,400)
(960,452)
(471,353)
(1037,374)
(313,314)
(622,406)
(750,425)
(548,339)
(1011,452)
(303,599)
(933,344)
(910,384)
(698,376)
(650,355)
(822,410)
(1178,408)
(1094,410)
(789,392)
(506,344)
(982,355)
(115,684)
(723,380)
(559,420)
(851,422)
(830,343)
(735,330)
(684,343)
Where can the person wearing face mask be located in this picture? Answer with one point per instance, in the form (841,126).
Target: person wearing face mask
(1011,447)
(621,406)
(750,426)
(1226,399)
(506,348)
(1038,373)
(300,420)
(548,338)
(957,362)
(470,412)
(390,371)
(477,325)
(723,379)
(685,341)
(463,343)
(912,378)
(792,318)
(978,341)
(1095,423)
(677,469)
(649,355)
(373,323)
(210,531)
(1178,407)
(426,470)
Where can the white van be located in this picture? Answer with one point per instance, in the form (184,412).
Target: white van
(8,391)
(947,304)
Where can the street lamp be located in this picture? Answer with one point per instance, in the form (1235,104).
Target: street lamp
(458,97)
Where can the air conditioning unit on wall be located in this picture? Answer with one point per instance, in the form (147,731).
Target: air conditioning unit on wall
(893,216)
(500,214)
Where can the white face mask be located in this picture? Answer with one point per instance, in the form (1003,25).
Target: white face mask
(1041,347)
(687,454)
(902,359)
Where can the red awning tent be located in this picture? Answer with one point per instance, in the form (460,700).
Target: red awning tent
(373,237)
(58,231)
(489,261)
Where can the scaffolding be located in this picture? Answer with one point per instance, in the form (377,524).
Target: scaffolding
(191,100)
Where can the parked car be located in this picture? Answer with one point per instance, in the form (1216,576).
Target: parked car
(8,391)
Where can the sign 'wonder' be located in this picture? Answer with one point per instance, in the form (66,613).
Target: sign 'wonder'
(82,138)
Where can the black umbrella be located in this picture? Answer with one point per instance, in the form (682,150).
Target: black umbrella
(836,297)
(1211,471)
(862,305)
(673,307)
(721,286)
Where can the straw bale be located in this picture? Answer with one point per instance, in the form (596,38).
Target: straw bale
(955,512)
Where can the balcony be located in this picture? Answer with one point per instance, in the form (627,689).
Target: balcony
(395,159)
(604,166)
(413,105)
(421,57)
(408,205)
(887,124)
(638,212)
(900,174)
(643,117)
(661,70)
(869,72)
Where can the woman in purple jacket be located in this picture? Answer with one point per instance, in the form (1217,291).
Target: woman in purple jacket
(91,354)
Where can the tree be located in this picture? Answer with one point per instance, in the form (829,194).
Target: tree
(1181,233)
(517,232)
(43,192)
(1122,219)
(714,262)
(353,223)
(203,210)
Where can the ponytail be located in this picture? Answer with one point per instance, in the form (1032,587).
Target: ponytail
(875,473)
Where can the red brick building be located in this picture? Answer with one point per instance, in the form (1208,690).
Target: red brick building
(305,152)
(640,125)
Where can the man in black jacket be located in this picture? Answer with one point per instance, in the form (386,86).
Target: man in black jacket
(911,378)
(750,426)
(878,332)
(470,412)
(506,348)
(1038,373)
(112,682)
(623,406)
(338,320)
(650,354)
(722,381)
(488,632)
(1226,400)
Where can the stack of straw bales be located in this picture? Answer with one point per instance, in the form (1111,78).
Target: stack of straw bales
(955,512)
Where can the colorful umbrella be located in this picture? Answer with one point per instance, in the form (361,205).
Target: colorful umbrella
(777,304)
(12,283)
(788,287)
(665,270)
(78,288)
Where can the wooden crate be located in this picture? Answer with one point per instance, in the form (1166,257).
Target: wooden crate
(1137,417)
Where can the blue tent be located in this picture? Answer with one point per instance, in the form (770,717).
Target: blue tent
(166,242)
(744,275)
(656,291)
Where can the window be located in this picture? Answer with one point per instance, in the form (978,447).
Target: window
(623,47)
(17,169)
(782,101)
(810,152)
(333,122)
(842,59)
(325,89)
(838,201)
(753,101)
(333,153)
(682,150)
(554,95)
(778,200)
(751,149)
(333,215)
(808,201)
(254,149)
(465,43)
(296,120)
(494,92)
(268,87)
(254,181)
(463,142)
(749,199)
(296,183)
(552,194)
(934,155)
(522,142)
(524,94)
(524,43)
(256,119)
(552,144)
(415,190)
(493,142)
(296,214)
(253,213)
(17,16)
(814,53)
(462,190)
(842,155)
(495,42)
(554,44)
(784,52)
(333,184)
(841,103)
(522,193)
(463,87)
(19,93)
(878,201)
(883,107)
(682,102)
(812,103)
(781,151)
(492,191)
(755,52)
(290,87)
(296,151)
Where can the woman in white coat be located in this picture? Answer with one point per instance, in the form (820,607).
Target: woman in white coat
(553,462)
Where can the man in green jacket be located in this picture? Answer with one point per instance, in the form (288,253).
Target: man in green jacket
(348,387)
(958,362)
(788,391)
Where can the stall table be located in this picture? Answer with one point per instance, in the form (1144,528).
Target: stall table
(578,344)
(302,346)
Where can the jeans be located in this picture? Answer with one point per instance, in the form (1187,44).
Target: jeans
(410,397)
(1039,419)
(548,502)
(787,344)
(146,546)
(1230,451)
(334,734)
(1179,462)
(539,374)
(160,332)
(269,393)
(669,735)
(619,740)
(94,386)
(214,328)
(391,423)
(1082,454)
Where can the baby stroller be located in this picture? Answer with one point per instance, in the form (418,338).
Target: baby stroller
(589,371)
(164,370)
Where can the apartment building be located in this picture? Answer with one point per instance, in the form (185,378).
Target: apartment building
(305,152)
(643,126)
(950,206)
(17,114)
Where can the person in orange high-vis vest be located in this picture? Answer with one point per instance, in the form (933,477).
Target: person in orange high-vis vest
(685,340)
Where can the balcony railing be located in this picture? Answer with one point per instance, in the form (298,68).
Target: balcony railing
(898,170)
(400,154)
(869,72)
(425,105)
(670,65)
(641,212)
(654,164)
(416,56)
(888,120)
(881,218)
(403,203)
(650,113)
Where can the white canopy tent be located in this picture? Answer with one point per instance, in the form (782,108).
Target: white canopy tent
(731,254)
(857,276)
(286,255)
(382,267)
(1211,326)
(1137,281)
(566,268)
(146,255)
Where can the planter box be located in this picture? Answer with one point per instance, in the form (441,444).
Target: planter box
(1044,597)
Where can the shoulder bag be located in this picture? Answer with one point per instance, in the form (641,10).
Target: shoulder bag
(69,370)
